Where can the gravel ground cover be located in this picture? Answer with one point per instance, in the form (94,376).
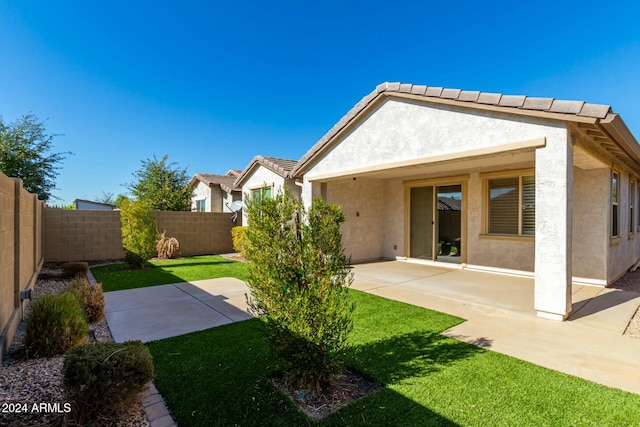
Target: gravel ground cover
(630,282)
(39,381)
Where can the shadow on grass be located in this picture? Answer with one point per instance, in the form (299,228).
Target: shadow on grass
(407,355)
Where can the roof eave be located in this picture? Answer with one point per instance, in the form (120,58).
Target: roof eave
(620,133)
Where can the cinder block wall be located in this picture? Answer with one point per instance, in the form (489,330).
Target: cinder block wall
(96,235)
(82,235)
(199,233)
(21,253)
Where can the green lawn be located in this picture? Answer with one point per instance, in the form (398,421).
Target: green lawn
(219,377)
(117,277)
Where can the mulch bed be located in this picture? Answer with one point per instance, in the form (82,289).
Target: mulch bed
(342,390)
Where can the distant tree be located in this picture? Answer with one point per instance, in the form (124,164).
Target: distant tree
(69,207)
(120,200)
(162,185)
(106,198)
(25,152)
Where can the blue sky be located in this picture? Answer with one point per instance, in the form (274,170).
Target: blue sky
(213,84)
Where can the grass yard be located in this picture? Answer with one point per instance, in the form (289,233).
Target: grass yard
(117,277)
(219,377)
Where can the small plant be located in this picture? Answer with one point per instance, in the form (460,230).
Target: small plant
(166,247)
(105,378)
(239,235)
(91,297)
(73,269)
(138,232)
(299,279)
(55,324)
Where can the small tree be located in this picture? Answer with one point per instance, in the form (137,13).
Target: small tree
(162,185)
(138,232)
(299,279)
(25,152)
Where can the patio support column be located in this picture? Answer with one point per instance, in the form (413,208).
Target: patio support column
(554,216)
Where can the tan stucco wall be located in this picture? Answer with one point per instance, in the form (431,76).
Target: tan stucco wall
(362,205)
(590,225)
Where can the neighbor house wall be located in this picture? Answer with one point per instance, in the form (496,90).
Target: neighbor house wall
(201,192)
(21,255)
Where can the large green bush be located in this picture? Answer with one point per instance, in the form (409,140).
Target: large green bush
(138,232)
(55,324)
(239,235)
(299,279)
(105,378)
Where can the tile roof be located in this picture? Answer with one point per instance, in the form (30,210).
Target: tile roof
(282,167)
(224,181)
(520,104)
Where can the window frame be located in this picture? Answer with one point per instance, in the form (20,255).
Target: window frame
(486,203)
(633,191)
(614,198)
(253,191)
(204,205)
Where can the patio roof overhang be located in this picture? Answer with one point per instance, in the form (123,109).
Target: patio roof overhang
(518,154)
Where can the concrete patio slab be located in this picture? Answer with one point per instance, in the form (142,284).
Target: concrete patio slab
(159,312)
(499,315)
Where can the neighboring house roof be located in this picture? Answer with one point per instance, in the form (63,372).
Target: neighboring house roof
(282,167)
(449,204)
(224,181)
(611,127)
(233,172)
(91,202)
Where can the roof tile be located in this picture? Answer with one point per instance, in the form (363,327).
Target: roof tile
(418,89)
(489,98)
(469,95)
(595,110)
(531,103)
(405,88)
(395,87)
(512,100)
(568,107)
(433,91)
(450,93)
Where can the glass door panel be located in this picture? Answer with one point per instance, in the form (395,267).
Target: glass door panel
(449,223)
(421,223)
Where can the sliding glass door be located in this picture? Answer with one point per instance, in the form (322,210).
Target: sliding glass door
(435,224)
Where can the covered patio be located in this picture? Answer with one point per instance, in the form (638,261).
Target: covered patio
(465,292)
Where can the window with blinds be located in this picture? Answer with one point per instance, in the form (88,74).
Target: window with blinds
(632,206)
(512,206)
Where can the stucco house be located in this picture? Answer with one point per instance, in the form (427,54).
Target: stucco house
(214,193)
(269,173)
(528,186)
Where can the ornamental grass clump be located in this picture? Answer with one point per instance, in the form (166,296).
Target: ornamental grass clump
(299,279)
(104,379)
(90,296)
(55,324)
(166,247)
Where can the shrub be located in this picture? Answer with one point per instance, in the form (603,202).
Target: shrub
(166,246)
(138,233)
(73,269)
(104,378)
(55,324)
(299,279)
(239,235)
(91,297)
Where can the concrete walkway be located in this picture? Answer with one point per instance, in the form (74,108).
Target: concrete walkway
(159,312)
(500,316)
